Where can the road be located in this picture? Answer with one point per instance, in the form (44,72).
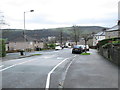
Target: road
(58,69)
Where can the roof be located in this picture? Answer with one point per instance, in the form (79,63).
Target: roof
(100,34)
(21,39)
(115,28)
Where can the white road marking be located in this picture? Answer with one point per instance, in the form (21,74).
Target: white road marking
(16,65)
(1,66)
(49,74)
(50,56)
(66,72)
(59,58)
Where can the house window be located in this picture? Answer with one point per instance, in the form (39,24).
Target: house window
(15,44)
(98,37)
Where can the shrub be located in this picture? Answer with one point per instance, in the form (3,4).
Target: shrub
(52,46)
(105,41)
(116,42)
(2,48)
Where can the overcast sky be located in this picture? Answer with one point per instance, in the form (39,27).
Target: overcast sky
(59,13)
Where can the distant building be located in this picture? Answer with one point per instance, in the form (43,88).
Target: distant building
(51,39)
(98,37)
(113,32)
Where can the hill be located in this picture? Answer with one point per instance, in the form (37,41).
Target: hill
(10,34)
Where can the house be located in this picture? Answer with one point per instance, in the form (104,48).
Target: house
(98,37)
(113,32)
(21,43)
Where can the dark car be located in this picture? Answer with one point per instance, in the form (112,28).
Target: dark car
(77,49)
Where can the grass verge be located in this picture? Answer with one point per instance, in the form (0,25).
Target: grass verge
(85,54)
(36,54)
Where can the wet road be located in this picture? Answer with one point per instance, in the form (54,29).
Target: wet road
(57,69)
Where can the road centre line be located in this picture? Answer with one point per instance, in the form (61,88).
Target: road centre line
(16,65)
(49,74)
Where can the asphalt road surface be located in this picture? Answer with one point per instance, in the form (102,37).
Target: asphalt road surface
(60,69)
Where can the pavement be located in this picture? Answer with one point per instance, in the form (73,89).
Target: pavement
(61,69)
(91,71)
(17,55)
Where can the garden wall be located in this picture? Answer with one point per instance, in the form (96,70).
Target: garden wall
(112,53)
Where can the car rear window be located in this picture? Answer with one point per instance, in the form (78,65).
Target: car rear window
(77,46)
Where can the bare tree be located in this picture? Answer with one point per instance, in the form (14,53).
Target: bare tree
(2,20)
(61,37)
(86,37)
(76,33)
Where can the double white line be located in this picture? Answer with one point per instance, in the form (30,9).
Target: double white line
(49,74)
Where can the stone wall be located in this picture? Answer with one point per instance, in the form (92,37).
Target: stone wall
(111,53)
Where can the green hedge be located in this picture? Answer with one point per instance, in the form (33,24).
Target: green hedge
(105,41)
(52,46)
(2,48)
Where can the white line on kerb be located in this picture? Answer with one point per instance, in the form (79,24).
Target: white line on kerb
(49,74)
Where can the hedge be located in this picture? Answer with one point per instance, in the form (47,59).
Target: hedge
(105,41)
(2,48)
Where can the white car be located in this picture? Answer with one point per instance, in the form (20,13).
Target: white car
(83,46)
(58,48)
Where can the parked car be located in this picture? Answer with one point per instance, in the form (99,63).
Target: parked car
(58,48)
(83,46)
(77,49)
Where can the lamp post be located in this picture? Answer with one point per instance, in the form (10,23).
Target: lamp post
(24,16)
(24,25)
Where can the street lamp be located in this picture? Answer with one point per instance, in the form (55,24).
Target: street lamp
(24,16)
(24,25)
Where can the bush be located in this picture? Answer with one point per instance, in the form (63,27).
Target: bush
(51,46)
(105,41)
(2,48)
(116,42)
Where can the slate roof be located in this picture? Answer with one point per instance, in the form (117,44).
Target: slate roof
(115,28)
(22,39)
(100,34)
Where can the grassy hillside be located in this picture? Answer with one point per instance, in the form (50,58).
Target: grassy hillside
(10,34)
(83,29)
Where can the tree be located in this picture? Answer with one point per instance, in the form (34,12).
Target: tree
(2,21)
(2,48)
(61,37)
(76,33)
(86,37)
